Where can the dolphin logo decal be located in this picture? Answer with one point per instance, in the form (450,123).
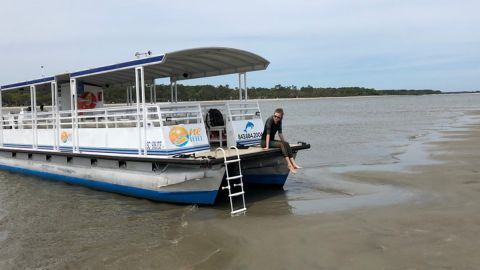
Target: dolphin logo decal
(249,126)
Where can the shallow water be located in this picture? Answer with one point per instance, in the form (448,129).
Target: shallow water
(49,225)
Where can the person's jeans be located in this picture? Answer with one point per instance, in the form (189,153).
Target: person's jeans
(284,146)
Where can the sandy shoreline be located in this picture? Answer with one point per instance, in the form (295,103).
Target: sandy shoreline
(437,230)
(426,217)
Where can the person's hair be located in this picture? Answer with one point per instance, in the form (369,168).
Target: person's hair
(279,110)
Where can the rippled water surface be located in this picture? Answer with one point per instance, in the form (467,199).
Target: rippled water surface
(50,225)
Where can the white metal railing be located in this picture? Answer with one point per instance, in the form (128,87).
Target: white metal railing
(175,114)
(112,117)
(245,110)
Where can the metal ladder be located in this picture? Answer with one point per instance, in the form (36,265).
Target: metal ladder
(229,178)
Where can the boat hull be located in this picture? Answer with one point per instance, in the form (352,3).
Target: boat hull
(271,170)
(170,183)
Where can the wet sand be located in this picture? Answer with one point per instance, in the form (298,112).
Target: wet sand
(437,229)
(426,217)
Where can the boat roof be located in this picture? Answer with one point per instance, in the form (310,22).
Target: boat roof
(178,65)
(19,85)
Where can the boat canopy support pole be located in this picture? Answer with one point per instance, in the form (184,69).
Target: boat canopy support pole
(130,94)
(1,120)
(242,87)
(31,115)
(245,85)
(144,110)
(151,93)
(54,113)
(138,75)
(33,91)
(73,112)
(176,92)
(75,106)
(171,91)
(154,92)
(57,117)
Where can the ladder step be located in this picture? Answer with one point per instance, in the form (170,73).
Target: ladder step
(232,161)
(239,211)
(239,182)
(236,194)
(234,177)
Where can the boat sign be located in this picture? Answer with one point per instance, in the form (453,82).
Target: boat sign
(247,132)
(189,135)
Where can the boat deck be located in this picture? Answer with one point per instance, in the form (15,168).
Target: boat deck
(244,153)
(230,153)
(210,157)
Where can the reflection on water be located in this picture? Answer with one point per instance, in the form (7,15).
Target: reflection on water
(260,201)
(51,225)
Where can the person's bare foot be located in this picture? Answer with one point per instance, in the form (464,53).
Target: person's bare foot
(295,165)
(292,169)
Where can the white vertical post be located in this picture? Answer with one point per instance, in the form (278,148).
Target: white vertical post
(144,110)
(34,116)
(171,91)
(52,115)
(176,92)
(72,87)
(73,112)
(245,85)
(77,137)
(56,110)
(240,86)
(154,92)
(31,116)
(1,119)
(137,95)
(151,93)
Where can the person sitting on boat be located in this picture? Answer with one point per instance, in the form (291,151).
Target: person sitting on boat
(272,125)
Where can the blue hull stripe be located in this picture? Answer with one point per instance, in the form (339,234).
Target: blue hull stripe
(265,179)
(249,143)
(116,150)
(197,197)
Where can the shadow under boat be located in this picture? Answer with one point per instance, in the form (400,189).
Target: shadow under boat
(259,200)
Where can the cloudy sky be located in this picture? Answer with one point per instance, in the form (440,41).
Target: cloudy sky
(422,44)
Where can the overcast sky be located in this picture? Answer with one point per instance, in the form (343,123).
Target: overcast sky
(371,43)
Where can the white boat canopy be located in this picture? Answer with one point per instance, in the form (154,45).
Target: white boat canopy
(178,65)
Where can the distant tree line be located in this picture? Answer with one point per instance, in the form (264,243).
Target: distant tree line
(224,92)
(221,92)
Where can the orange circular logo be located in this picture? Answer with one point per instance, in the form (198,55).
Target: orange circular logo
(179,136)
(64,136)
